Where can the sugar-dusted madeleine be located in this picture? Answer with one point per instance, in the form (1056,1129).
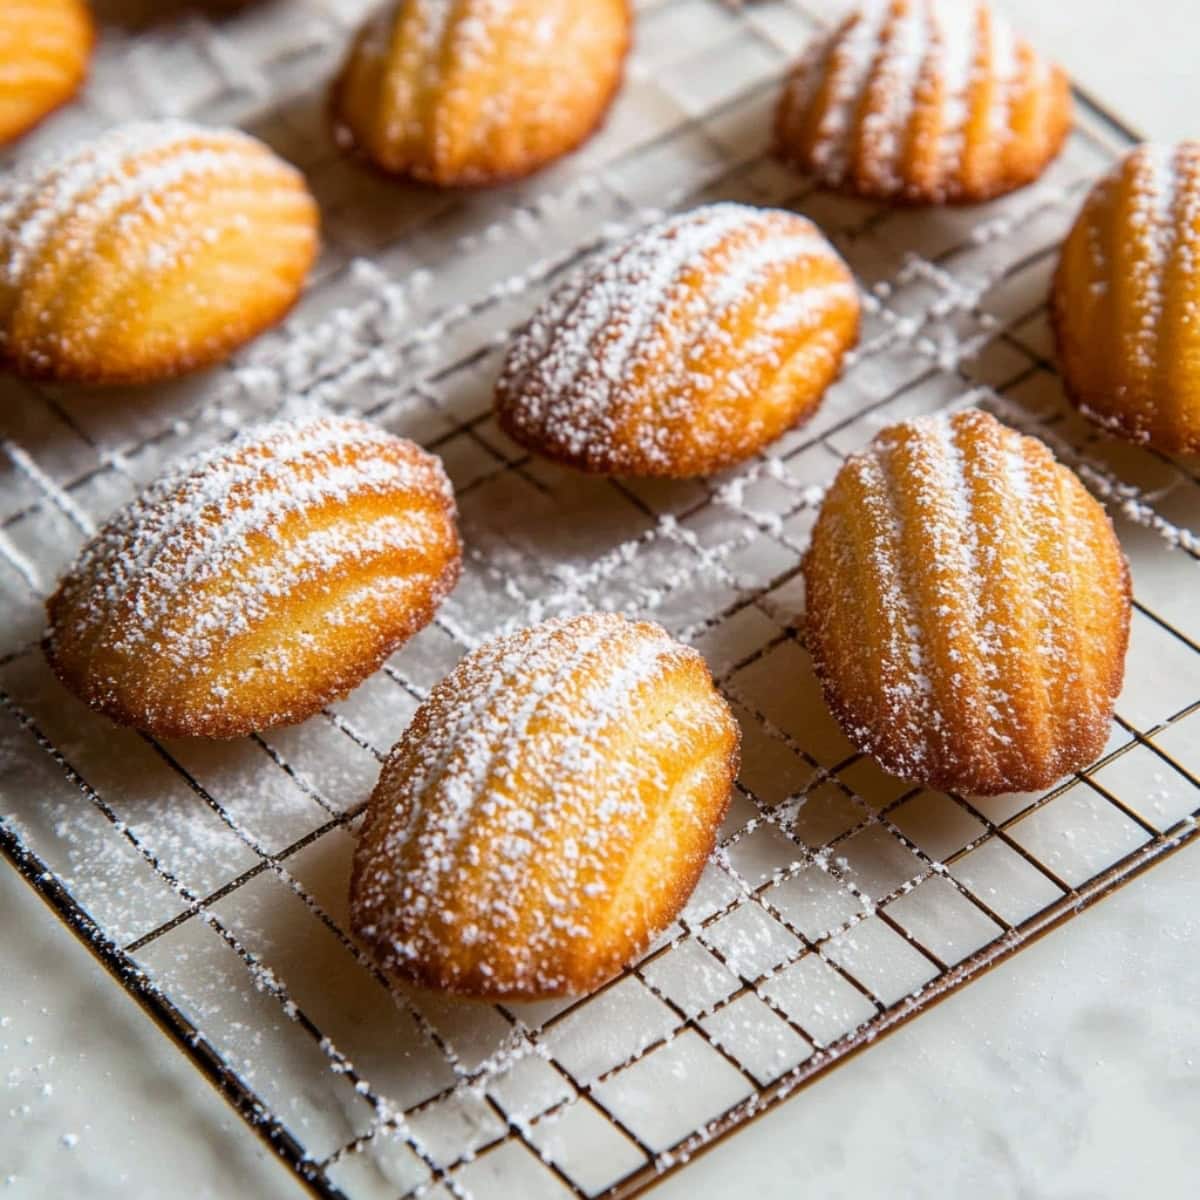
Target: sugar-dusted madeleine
(251,585)
(686,349)
(968,607)
(547,813)
(1126,296)
(45,46)
(473,92)
(158,248)
(926,102)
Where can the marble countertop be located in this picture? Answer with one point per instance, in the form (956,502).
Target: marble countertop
(1072,1071)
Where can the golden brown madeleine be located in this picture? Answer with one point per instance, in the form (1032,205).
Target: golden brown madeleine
(686,349)
(1126,295)
(547,812)
(251,585)
(157,249)
(968,607)
(924,101)
(45,46)
(470,92)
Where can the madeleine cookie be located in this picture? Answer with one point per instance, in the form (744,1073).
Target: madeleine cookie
(686,349)
(473,92)
(924,101)
(547,812)
(45,46)
(251,585)
(1126,295)
(968,607)
(157,249)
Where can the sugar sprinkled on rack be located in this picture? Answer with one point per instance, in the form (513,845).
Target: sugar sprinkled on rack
(238,70)
(1132,501)
(58,497)
(1129,501)
(349,340)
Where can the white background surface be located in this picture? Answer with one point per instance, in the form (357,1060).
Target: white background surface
(1073,1071)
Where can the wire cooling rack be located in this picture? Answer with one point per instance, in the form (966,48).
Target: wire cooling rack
(210,878)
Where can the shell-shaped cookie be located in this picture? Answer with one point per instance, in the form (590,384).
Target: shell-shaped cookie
(251,585)
(684,350)
(1126,297)
(924,101)
(156,249)
(472,92)
(45,46)
(547,813)
(968,607)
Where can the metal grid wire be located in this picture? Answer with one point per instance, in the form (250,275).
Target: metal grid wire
(210,878)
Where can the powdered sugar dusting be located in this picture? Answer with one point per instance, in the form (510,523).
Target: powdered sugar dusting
(220,543)
(90,183)
(1153,233)
(850,62)
(456,844)
(605,374)
(434,1102)
(476,91)
(892,98)
(860,106)
(1125,299)
(977,577)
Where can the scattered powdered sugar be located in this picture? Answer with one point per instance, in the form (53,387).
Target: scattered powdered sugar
(1126,498)
(374,337)
(61,499)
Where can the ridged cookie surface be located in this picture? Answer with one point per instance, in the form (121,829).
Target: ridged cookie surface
(924,101)
(547,813)
(1126,297)
(470,92)
(967,607)
(45,46)
(253,584)
(156,249)
(684,350)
